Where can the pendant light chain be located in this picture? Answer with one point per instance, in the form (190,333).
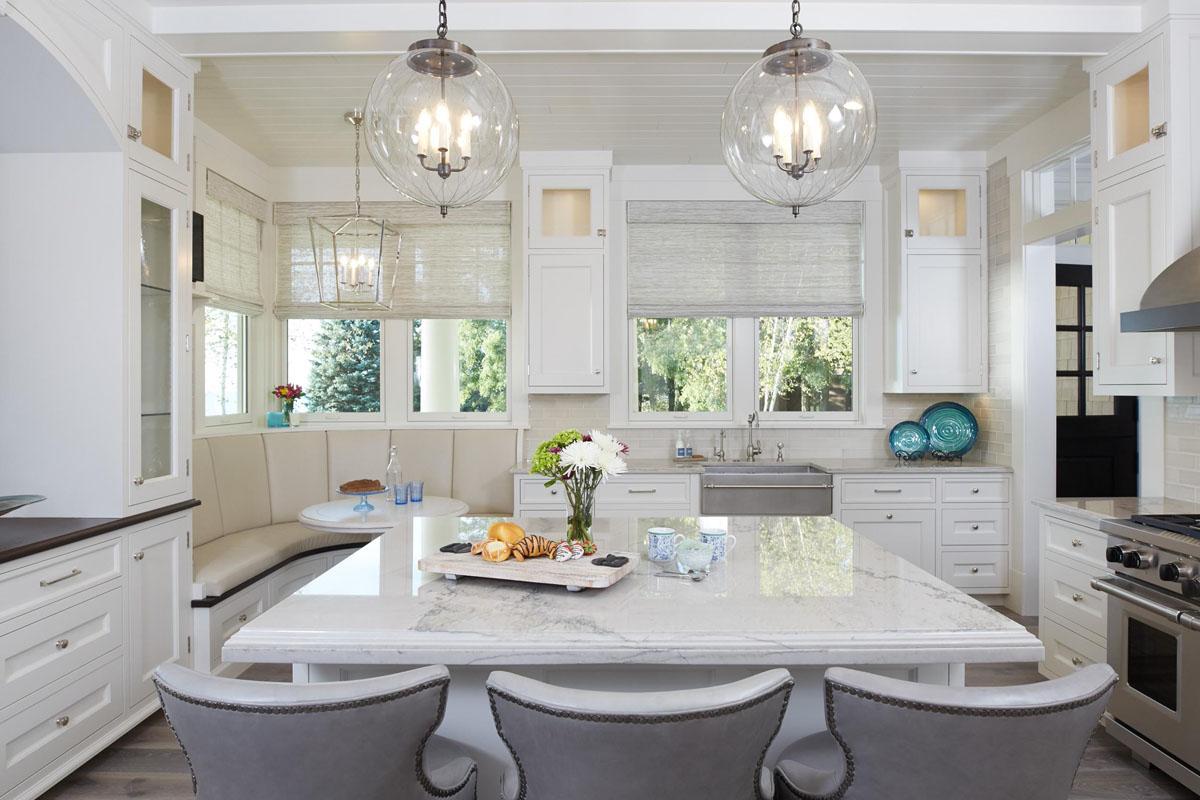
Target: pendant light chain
(357,172)
(797,28)
(442,27)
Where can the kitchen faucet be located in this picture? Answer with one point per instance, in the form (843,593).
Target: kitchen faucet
(719,452)
(752,449)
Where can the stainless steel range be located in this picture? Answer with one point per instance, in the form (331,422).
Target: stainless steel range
(1154,640)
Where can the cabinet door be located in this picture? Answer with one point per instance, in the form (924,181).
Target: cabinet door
(1129,249)
(159,580)
(566,321)
(909,533)
(942,212)
(945,321)
(159,249)
(566,212)
(1129,108)
(160,114)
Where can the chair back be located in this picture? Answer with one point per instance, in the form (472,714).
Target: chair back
(700,744)
(909,741)
(265,741)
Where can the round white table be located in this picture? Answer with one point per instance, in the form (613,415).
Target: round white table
(339,516)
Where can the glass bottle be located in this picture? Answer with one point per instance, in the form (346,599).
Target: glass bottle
(395,476)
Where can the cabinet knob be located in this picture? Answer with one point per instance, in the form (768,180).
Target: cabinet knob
(138,481)
(1155,360)
(914,372)
(63,721)
(1076,543)
(974,570)
(974,490)
(133,133)
(601,232)
(1077,661)
(908,233)
(62,644)
(596,372)
(242,617)
(138,556)
(1077,597)
(975,527)
(889,516)
(554,491)
(1159,131)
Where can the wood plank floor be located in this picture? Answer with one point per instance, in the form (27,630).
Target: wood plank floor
(147,762)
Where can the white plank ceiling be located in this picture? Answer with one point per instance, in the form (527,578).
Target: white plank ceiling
(647,108)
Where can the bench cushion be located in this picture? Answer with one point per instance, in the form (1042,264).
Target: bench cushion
(482,459)
(206,517)
(235,558)
(298,472)
(241,468)
(426,455)
(356,454)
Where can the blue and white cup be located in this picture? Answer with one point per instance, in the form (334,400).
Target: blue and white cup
(416,491)
(721,542)
(660,543)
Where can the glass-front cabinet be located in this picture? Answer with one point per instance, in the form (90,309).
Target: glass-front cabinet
(566,212)
(159,251)
(942,212)
(1130,125)
(160,102)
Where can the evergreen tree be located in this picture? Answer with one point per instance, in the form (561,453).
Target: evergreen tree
(345,367)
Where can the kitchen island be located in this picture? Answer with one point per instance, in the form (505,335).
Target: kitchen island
(799,592)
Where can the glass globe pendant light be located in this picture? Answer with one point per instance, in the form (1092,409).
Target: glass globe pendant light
(440,124)
(799,125)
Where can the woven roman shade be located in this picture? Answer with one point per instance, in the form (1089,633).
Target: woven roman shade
(744,259)
(232,245)
(454,268)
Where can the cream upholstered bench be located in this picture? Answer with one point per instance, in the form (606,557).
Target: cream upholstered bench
(249,552)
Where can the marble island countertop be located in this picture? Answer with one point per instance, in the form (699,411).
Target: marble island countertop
(835,466)
(795,591)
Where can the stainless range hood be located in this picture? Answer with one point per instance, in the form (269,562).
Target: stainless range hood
(1171,302)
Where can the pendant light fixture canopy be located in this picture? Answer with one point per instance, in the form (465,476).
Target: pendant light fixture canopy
(799,125)
(441,126)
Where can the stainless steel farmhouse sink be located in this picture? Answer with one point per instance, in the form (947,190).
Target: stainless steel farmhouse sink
(765,488)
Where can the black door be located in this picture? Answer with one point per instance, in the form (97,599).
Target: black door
(1097,436)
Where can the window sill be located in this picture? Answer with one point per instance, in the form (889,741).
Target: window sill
(237,430)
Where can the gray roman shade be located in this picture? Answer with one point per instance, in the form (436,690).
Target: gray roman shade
(233,219)
(459,267)
(744,259)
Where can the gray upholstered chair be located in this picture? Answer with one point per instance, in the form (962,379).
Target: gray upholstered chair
(279,741)
(702,744)
(907,741)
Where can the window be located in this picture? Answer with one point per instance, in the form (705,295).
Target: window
(460,366)
(224,363)
(805,365)
(337,362)
(1063,183)
(681,365)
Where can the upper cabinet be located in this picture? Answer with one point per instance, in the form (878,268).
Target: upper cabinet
(1129,98)
(942,212)
(160,114)
(566,212)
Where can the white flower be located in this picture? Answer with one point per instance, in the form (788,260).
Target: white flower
(608,444)
(580,455)
(611,464)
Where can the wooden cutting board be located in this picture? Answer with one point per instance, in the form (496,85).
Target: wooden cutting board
(574,575)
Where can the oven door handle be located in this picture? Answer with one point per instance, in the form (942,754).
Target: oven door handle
(1113,585)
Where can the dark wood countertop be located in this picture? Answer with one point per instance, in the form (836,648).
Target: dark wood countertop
(26,536)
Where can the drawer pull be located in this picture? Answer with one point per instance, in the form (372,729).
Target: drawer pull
(1076,543)
(1077,597)
(975,527)
(642,491)
(1077,661)
(889,516)
(554,491)
(887,491)
(53,581)
(62,644)
(974,490)
(242,617)
(974,570)
(138,556)
(63,721)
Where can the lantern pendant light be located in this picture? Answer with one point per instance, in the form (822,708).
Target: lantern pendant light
(352,253)
(799,125)
(440,124)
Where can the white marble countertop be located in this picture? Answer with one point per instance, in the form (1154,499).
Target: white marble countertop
(1100,508)
(795,591)
(835,466)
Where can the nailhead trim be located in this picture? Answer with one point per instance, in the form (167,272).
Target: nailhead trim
(633,719)
(442,684)
(968,711)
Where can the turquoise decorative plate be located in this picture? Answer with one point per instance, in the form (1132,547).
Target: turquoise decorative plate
(909,440)
(952,428)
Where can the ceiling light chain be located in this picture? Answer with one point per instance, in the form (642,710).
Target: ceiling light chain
(443,24)
(797,28)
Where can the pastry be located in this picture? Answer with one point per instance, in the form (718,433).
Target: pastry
(362,485)
(508,532)
(494,550)
(477,548)
(533,546)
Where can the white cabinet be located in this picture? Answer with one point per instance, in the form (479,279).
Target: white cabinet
(631,494)
(160,114)
(909,533)
(1129,98)
(160,578)
(943,212)
(159,253)
(566,321)
(566,212)
(1073,617)
(944,350)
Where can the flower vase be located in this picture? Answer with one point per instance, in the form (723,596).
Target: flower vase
(579,522)
(289,420)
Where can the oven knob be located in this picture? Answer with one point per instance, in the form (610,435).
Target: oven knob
(1115,554)
(1176,571)
(1139,559)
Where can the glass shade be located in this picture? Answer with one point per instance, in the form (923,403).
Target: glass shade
(441,126)
(799,125)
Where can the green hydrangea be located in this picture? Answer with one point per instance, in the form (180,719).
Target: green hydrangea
(546,462)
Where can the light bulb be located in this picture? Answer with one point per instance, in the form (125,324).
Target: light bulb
(423,123)
(783,135)
(464,136)
(812,130)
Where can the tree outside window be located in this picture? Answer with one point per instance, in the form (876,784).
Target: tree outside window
(337,363)
(805,364)
(224,362)
(460,366)
(681,364)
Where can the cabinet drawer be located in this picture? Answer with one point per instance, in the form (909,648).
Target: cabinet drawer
(40,653)
(645,491)
(973,526)
(1066,650)
(1076,542)
(975,569)
(49,728)
(882,490)
(532,491)
(228,621)
(975,490)
(1068,593)
(61,575)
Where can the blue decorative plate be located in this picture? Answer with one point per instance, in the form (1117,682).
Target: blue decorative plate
(952,428)
(909,440)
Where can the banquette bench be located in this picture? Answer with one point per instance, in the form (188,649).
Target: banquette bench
(249,552)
